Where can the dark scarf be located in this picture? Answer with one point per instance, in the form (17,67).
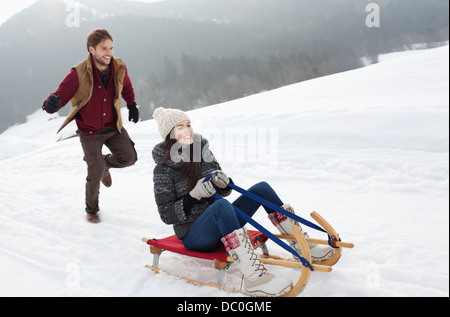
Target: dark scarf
(104,77)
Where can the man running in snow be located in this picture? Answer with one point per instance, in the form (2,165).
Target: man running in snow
(94,87)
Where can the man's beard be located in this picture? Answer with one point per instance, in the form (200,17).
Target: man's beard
(100,61)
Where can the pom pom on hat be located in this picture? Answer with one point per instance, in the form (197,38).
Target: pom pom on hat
(167,119)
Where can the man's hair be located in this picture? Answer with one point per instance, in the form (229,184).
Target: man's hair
(97,36)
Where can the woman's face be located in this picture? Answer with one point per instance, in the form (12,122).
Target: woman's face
(184,133)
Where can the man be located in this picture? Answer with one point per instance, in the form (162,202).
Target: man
(94,87)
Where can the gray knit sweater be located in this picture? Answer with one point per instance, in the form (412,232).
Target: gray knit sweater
(170,190)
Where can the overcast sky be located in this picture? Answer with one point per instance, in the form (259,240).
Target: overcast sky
(10,7)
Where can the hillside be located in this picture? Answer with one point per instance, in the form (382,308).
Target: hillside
(368,149)
(195,53)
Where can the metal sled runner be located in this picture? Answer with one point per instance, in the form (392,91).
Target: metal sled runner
(259,240)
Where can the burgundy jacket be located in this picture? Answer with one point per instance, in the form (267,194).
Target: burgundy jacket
(99,111)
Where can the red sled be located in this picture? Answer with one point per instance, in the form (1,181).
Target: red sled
(220,257)
(222,260)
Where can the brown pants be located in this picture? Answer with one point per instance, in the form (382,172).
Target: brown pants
(123,154)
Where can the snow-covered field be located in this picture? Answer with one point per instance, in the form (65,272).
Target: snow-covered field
(367,149)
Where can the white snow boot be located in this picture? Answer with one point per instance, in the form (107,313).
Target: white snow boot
(319,253)
(257,280)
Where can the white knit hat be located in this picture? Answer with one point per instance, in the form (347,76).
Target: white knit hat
(167,119)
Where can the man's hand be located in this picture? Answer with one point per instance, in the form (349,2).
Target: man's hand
(53,103)
(133,112)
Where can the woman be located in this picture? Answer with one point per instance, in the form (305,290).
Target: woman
(185,200)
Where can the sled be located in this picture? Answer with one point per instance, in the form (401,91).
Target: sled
(219,256)
(259,239)
(222,260)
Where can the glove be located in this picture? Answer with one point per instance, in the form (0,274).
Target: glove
(202,190)
(220,179)
(133,112)
(52,104)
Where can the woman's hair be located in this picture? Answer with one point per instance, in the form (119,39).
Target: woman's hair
(97,36)
(190,170)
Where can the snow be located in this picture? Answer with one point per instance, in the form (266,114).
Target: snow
(368,149)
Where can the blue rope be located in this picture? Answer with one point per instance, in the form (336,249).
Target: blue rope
(270,205)
(255,224)
(268,234)
(274,207)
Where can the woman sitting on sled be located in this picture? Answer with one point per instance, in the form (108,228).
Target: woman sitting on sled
(185,200)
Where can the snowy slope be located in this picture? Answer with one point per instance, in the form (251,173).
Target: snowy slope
(368,149)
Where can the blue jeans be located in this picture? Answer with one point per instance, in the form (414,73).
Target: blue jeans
(220,219)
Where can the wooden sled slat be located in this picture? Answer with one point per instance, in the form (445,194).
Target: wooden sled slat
(317,241)
(306,272)
(334,239)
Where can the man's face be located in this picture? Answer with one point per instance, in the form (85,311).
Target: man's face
(102,53)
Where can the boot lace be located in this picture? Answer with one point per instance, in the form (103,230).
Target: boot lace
(255,262)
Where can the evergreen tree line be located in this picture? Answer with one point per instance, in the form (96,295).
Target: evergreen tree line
(196,82)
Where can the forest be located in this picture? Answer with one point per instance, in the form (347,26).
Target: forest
(194,53)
